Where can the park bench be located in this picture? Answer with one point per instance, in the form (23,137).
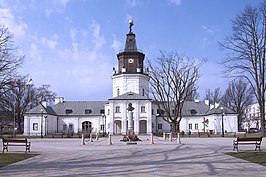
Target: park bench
(57,135)
(204,133)
(247,141)
(15,142)
(240,133)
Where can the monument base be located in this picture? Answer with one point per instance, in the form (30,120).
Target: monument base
(130,137)
(131,143)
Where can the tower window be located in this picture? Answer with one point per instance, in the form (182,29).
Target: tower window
(118,92)
(117,109)
(142,109)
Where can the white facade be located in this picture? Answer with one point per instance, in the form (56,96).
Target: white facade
(252,117)
(117,116)
(130,85)
(137,83)
(209,120)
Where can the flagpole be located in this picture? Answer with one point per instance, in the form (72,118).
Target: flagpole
(14,123)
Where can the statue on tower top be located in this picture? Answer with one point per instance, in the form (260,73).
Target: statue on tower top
(131,23)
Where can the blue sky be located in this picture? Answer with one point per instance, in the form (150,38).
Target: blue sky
(72,44)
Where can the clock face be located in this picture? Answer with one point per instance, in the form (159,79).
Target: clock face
(130,60)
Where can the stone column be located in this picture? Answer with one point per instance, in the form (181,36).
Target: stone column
(130,119)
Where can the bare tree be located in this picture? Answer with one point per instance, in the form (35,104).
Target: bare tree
(247,52)
(213,96)
(9,60)
(237,97)
(21,97)
(173,80)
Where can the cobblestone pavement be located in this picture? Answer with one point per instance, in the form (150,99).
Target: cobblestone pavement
(193,157)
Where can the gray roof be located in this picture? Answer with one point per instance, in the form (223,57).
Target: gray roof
(130,96)
(199,108)
(219,111)
(41,109)
(77,107)
(194,108)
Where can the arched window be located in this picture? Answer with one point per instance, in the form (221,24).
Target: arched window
(86,126)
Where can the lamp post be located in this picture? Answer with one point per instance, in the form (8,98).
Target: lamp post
(222,112)
(41,122)
(14,121)
(104,126)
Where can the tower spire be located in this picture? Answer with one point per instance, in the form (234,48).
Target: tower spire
(131,45)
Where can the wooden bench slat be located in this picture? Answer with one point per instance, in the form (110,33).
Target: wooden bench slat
(250,140)
(15,142)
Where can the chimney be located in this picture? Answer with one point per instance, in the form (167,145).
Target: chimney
(207,102)
(58,100)
(44,104)
(216,105)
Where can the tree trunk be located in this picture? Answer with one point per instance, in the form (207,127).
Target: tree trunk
(262,118)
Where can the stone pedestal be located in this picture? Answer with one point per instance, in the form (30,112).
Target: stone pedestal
(130,130)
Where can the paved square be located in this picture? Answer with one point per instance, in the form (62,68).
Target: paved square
(193,157)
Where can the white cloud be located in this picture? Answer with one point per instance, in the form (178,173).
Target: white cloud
(132,3)
(116,45)
(15,25)
(56,7)
(98,39)
(207,29)
(175,2)
(50,43)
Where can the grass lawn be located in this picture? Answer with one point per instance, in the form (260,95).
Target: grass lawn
(254,157)
(9,158)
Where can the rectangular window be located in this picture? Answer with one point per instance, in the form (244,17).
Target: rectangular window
(142,109)
(152,112)
(117,109)
(160,126)
(190,126)
(35,126)
(102,127)
(102,111)
(196,126)
(108,111)
(65,127)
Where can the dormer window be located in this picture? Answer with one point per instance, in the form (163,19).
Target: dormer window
(193,111)
(88,111)
(69,111)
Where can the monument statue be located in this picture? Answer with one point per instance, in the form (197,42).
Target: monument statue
(131,23)
(130,108)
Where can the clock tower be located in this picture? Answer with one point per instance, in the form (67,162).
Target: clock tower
(130,75)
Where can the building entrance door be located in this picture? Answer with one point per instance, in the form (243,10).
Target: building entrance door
(143,126)
(117,127)
(86,127)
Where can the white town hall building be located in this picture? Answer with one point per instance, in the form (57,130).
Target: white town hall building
(130,85)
